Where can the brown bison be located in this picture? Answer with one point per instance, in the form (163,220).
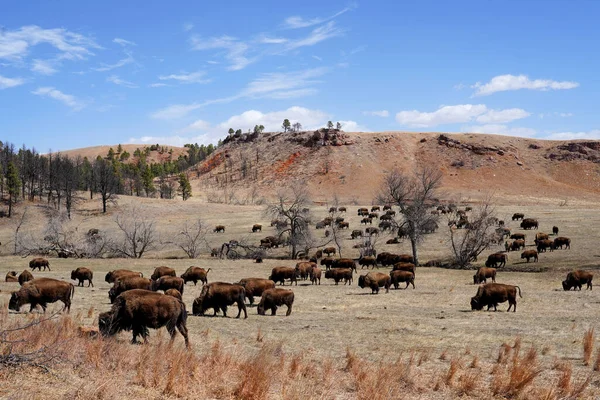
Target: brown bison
(543,245)
(491,294)
(529,223)
(540,236)
(561,241)
(517,245)
(555,230)
(372,231)
(375,280)
(366,220)
(483,273)
(214,252)
(303,269)
(518,216)
(344,263)
(344,225)
(112,276)
(402,276)
(83,274)
(256,228)
(496,260)
(280,274)
(576,279)
(219,295)
(339,274)
(165,283)
(327,262)
(517,236)
(254,287)
(318,254)
(342,209)
(25,276)
(375,208)
(195,274)
(404,266)
(219,228)
(11,276)
(38,263)
(137,310)
(128,283)
(329,251)
(315,275)
(42,291)
(356,234)
(365,261)
(273,298)
(528,254)
(175,293)
(393,241)
(162,271)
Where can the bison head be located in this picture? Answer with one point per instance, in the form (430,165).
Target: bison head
(566,285)
(73,275)
(197,307)
(475,279)
(109,277)
(361,281)
(112,295)
(106,324)
(476,304)
(17,299)
(154,285)
(261,308)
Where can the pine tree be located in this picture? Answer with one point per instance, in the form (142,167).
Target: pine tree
(286,125)
(185,189)
(13,184)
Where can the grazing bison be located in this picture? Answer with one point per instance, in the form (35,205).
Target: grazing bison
(496,260)
(561,241)
(518,216)
(112,276)
(273,298)
(555,230)
(375,280)
(25,276)
(402,276)
(11,276)
(219,295)
(303,269)
(393,241)
(344,263)
(365,261)
(529,223)
(165,283)
(342,209)
(387,207)
(175,293)
(386,217)
(372,231)
(339,274)
(38,263)
(162,271)
(327,262)
(540,236)
(332,210)
(280,274)
(375,208)
(404,266)
(373,215)
(517,236)
(528,254)
(137,310)
(344,225)
(254,287)
(385,226)
(366,220)
(128,283)
(543,245)
(214,252)
(83,274)
(386,259)
(329,251)
(219,229)
(576,279)
(517,245)
(356,234)
(195,274)
(42,291)
(483,273)
(315,275)
(491,294)
(256,228)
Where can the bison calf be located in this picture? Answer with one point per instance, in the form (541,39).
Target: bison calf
(315,275)
(83,274)
(25,276)
(483,274)
(273,298)
(11,276)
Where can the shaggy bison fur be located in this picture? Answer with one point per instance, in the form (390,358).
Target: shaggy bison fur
(219,295)
(42,291)
(273,298)
(117,274)
(375,280)
(483,273)
(254,287)
(83,274)
(339,274)
(162,271)
(38,263)
(195,274)
(402,276)
(280,274)
(128,283)
(165,283)
(491,294)
(576,279)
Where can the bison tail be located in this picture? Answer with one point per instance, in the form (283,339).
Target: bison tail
(208,270)
(519,291)
(72,294)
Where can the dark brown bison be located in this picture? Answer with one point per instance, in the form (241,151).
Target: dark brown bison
(42,291)
(366,221)
(402,276)
(496,260)
(483,273)
(375,280)
(356,234)
(25,276)
(339,274)
(195,274)
(254,287)
(214,252)
(303,269)
(576,279)
(517,236)
(339,220)
(342,209)
(386,259)
(280,274)
(329,251)
(11,276)
(175,293)
(315,276)
(517,245)
(162,271)
(375,208)
(119,274)
(404,266)
(491,294)
(393,241)
(540,236)
(327,262)
(83,274)
(219,295)
(38,263)
(528,254)
(363,211)
(518,216)
(137,310)
(373,215)
(344,225)
(529,223)
(219,228)
(555,230)
(332,210)
(344,263)
(256,228)
(273,298)
(165,283)
(128,283)
(372,231)
(543,245)
(387,207)
(561,241)
(365,261)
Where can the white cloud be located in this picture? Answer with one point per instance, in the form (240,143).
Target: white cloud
(44,67)
(55,94)
(353,126)
(593,134)
(502,116)
(121,82)
(236,50)
(194,77)
(382,113)
(498,129)
(154,85)
(123,42)
(188,26)
(310,119)
(198,125)
(503,83)
(461,113)
(556,114)
(107,67)
(317,58)
(6,83)
(324,32)
(175,140)
(296,22)
(271,40)
(175,111)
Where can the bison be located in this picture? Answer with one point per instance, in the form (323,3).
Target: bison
(83,274)
(517,236)
(344,263)
(372,231)
(518,216)
(496,260)
(343,225)
(365,261)
(38,263)
(517,245)
(404,266)
(162,271)
(25,276)
(315,276)
(254,287)
(483,273)
(529,223)
(128,283)
(280,274)
(402,276)
(112,276)
(543,245)
(375,280)
(11,276)
(329,251)
(342,209)
(356,234)
(491,294)
(42,291)
(327,262)
(256,228)
(375,208)
(195,274)
(219,295)
(303,269)
(561,241)
(273,298)
(219,228)
(555,230)
(339,274)
(576,279)
(528,254)
(165,283)
(138,309)
(366,220)
(175,293)
(540,236)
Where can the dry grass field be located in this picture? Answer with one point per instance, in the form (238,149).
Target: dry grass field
(431,328)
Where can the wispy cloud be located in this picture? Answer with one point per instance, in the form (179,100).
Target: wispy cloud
(194,77)
(556,114)
(235,49)
(502,116)
(123,42)
(271,40)
(317,58)
(121,82)
(122,62)
(461,113)
(593,134)
(503,83)
(6,83)
(498,129)
(382,113)
(198,125)
(44,67)
(296,22)
(188,26)
(324,32)
(64,98)
(155,85)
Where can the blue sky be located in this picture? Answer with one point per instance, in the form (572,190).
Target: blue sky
(76,74)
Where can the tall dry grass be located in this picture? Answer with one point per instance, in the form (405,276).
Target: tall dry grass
(588,346)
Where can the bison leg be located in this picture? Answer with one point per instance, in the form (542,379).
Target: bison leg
(90,283)
(589,285)
(224,309)
(251,299)
(184,332)
(274,310)
(289,310)
(241,306)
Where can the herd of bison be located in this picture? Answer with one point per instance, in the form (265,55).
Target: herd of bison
(138,305)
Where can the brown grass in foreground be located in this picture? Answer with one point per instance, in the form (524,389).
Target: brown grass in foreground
(588,346)
(45,357)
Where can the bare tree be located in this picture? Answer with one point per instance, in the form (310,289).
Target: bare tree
(18,223)
(413,194)
(107,180)
(139,233)
(192,238)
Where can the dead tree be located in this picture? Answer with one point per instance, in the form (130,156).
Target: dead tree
(139,233)
(192,238)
